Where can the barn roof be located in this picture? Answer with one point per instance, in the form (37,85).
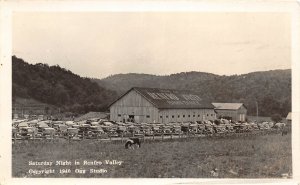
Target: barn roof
(228,106)
(172,99)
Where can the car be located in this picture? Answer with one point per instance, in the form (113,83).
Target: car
(72,132)
(95,132)
(48,132)
(27,132)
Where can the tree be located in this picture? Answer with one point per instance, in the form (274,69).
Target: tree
(57,86)
(276,118)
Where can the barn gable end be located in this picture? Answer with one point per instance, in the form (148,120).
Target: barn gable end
(132,106)
(160,105)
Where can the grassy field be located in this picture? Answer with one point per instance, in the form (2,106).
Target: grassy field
(266,156)
(263,119)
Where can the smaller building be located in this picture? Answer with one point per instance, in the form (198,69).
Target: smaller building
(232,111)
(289,118)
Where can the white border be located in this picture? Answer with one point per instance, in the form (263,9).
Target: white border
(6,9)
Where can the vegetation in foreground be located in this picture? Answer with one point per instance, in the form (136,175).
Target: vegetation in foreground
(267,156)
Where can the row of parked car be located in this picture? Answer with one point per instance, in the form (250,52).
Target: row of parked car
(99,128)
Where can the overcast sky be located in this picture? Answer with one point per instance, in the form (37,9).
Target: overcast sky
(100,44)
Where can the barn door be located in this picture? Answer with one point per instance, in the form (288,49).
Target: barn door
(242,117)
(137,119)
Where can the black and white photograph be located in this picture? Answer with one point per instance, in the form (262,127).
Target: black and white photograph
(151,94)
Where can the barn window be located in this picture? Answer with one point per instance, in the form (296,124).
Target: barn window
(193,115)
(173,116)
(198,115)
(119,115)
(189,115)
(207,114)
(183,116)
(167,116)
(178,116)
(148,116)
(160,116)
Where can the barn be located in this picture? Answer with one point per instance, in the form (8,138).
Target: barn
(233,111)
(153,105)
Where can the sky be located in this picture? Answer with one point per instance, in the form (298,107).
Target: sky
(99,44)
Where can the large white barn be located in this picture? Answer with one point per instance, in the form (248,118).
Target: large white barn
(152,105)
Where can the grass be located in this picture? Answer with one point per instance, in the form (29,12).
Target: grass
(263,119)
(266,156)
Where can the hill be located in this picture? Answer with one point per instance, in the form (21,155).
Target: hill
(29,106)
(271,89)
(57,86)
(53,85)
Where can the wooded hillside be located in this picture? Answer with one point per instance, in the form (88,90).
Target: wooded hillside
(57,86)
(271,89)
(60,87)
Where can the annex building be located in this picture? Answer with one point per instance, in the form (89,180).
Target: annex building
(289,118)
(152,105)
(233,111)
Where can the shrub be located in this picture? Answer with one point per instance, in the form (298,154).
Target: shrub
(276,118)
(217,122)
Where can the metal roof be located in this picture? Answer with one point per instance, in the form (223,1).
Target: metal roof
(228,106)
(171,99)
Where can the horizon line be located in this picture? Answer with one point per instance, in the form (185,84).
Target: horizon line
(159,75)
(163,75)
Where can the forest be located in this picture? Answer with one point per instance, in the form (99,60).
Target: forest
(57,86)
(271,90)
(54,85)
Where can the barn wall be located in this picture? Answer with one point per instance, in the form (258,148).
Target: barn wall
(133,104)
(185,115)
(242,110)
(143,111)
(237,115)
(229,113)
(242,113)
